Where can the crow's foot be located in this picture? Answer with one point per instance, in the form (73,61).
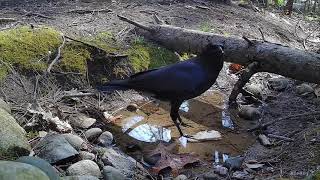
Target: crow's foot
(185,124)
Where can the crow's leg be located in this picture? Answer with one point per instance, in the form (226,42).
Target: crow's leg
(182,123)
(174,114)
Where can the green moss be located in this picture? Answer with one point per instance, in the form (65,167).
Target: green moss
(31,134)
(314,176)
(144,56)
(105,41)
(206,27)
(75,57)
(26,47)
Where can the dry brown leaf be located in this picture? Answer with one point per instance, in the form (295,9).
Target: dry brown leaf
(175,161)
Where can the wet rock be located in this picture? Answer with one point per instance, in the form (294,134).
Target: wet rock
(84,167)
(111,173)
(54,148)
(13,141)
(86,155)
(241,175)
(16,170)
(105,139)
(50,171)
(79,178)
(278,84)
(42,134)
(210,176)
(304,89)
(223,171)
(249,113)
(132,107)
(75,141)
(5,106)
(117,159)
(264,140)
(93,133)
(233,163)
(152,160)
(82,121)
(181,177)
(255,90)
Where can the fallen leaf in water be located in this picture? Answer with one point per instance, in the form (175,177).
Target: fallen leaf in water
(234,68)
(168,159)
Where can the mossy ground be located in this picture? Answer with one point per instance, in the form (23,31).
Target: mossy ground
(28,49)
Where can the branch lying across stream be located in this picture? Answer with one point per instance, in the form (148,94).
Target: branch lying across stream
(273,58)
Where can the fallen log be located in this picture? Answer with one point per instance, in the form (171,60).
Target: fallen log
(271,57)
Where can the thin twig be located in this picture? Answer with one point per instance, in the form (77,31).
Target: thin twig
(122,18)
(6,20)
(38,15)
(248,40)
(262,35)
(263,126)
(157,19)
(280,137)
(79,95)
(15,73)
(86,11)
(55,60)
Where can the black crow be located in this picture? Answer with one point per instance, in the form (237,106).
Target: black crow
(177,82)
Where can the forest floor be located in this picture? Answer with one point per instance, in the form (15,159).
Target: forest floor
(296,158)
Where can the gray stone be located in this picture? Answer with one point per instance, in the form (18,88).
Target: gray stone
(249,113)
(234,163)
(86,155)
(13,141)
(55,148)
(75,141)
(82,121)
(105,139)
(278,84)
(241,175)
(79,178)
(5,106)
(117,159)
(84,167)
(15,171)
(181,177)
(41,164)
(93,133)
(111,173)
(210,176)
(223,171)
(304,89)
(255,89)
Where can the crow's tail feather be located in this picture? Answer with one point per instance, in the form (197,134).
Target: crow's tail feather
(114,85)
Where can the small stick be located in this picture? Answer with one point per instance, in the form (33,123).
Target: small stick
(157,19)
(55,60)
(6,20)
(280,137)
(248,40)
(79,95)
(263,126)
(14,73)
(244,78)
(86,11)
(122,18)
(38,15)
(262,35)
